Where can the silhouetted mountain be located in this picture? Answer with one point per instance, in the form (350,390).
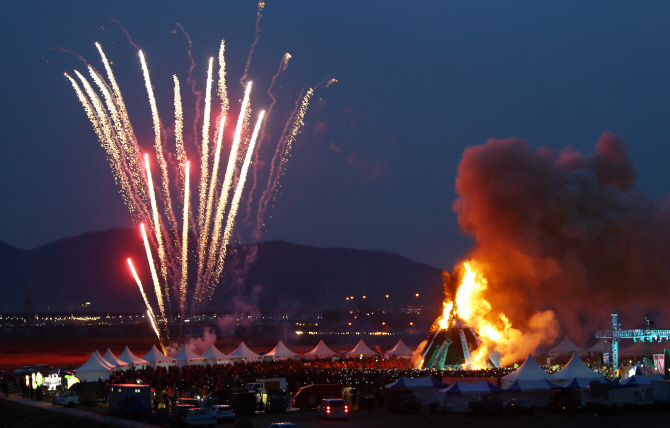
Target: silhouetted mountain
(268,276)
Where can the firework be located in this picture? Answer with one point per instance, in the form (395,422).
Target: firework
(165,241)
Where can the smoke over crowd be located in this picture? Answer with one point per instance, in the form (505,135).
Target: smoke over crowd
(564,232)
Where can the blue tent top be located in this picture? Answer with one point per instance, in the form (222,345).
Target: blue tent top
(533,385)
(409,382)
(481,387)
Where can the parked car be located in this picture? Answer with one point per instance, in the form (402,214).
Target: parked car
(190,401)
(223,413)
(520,406)
(199,417)
(283,425)
(333,408)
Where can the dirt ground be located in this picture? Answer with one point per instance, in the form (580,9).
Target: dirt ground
(18,415)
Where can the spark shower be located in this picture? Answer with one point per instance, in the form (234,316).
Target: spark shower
(203,235)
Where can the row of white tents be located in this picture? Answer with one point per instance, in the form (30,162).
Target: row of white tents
(528,381)
(100,367)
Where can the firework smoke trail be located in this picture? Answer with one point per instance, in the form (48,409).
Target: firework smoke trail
(204,160)
(236,201)
(280,158)
(131,149)
(179,130)
(223,198)
(261,5)
(154,276)
(130,39)
(282,67)
(150,312)
(191,81)
(222,91)
(184,244)
(81,58)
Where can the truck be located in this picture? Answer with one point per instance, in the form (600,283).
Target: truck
(603,396)
(88,393)
(261,388)
(310,396)
(401,400)
(130,400)
(243,403)
(487,404)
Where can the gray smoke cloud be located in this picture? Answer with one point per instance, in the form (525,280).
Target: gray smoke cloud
(565,231)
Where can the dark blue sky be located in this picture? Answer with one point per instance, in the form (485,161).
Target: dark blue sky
(374,167)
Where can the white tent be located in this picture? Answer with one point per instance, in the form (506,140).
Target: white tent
(111,359)
(187,357)
(156,358)
(214,356)
(280,352)
(133,360)
(576,369)
(400,350)
(320,351)
(103,361)
(243,353)
(361,350)
(529,370)
(603,345)
(565,347)
(92,370)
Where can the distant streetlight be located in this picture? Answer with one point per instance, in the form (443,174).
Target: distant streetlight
(364,297)
(387,296)
(417,294)
(411,323)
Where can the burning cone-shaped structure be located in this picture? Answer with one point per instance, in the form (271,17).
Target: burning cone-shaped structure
(450,347)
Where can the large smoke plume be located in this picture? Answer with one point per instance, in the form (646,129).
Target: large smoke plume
(564,231)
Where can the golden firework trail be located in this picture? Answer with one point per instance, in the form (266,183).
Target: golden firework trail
(222,91)
(167,245)
(179,130)
(223,199)
(150,312)
(184,244)
(280,158)
(204,161)
(154,276)
(236,200)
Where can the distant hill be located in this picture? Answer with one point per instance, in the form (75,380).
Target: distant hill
(268,276)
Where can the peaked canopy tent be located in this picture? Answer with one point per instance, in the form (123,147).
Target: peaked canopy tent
(186,357)
(642,380)
(133,360)
(214,356)
(111,359)
(603,345)
(424,387)
(400,350)
(565,347)
(280,352)
(156,358)
(577,370)
(456,397)
(529,370)
(92,370)
(361,350)
(243,353)
(321,351)
(532,386)
(103,361)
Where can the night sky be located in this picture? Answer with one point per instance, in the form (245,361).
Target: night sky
(375,164)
